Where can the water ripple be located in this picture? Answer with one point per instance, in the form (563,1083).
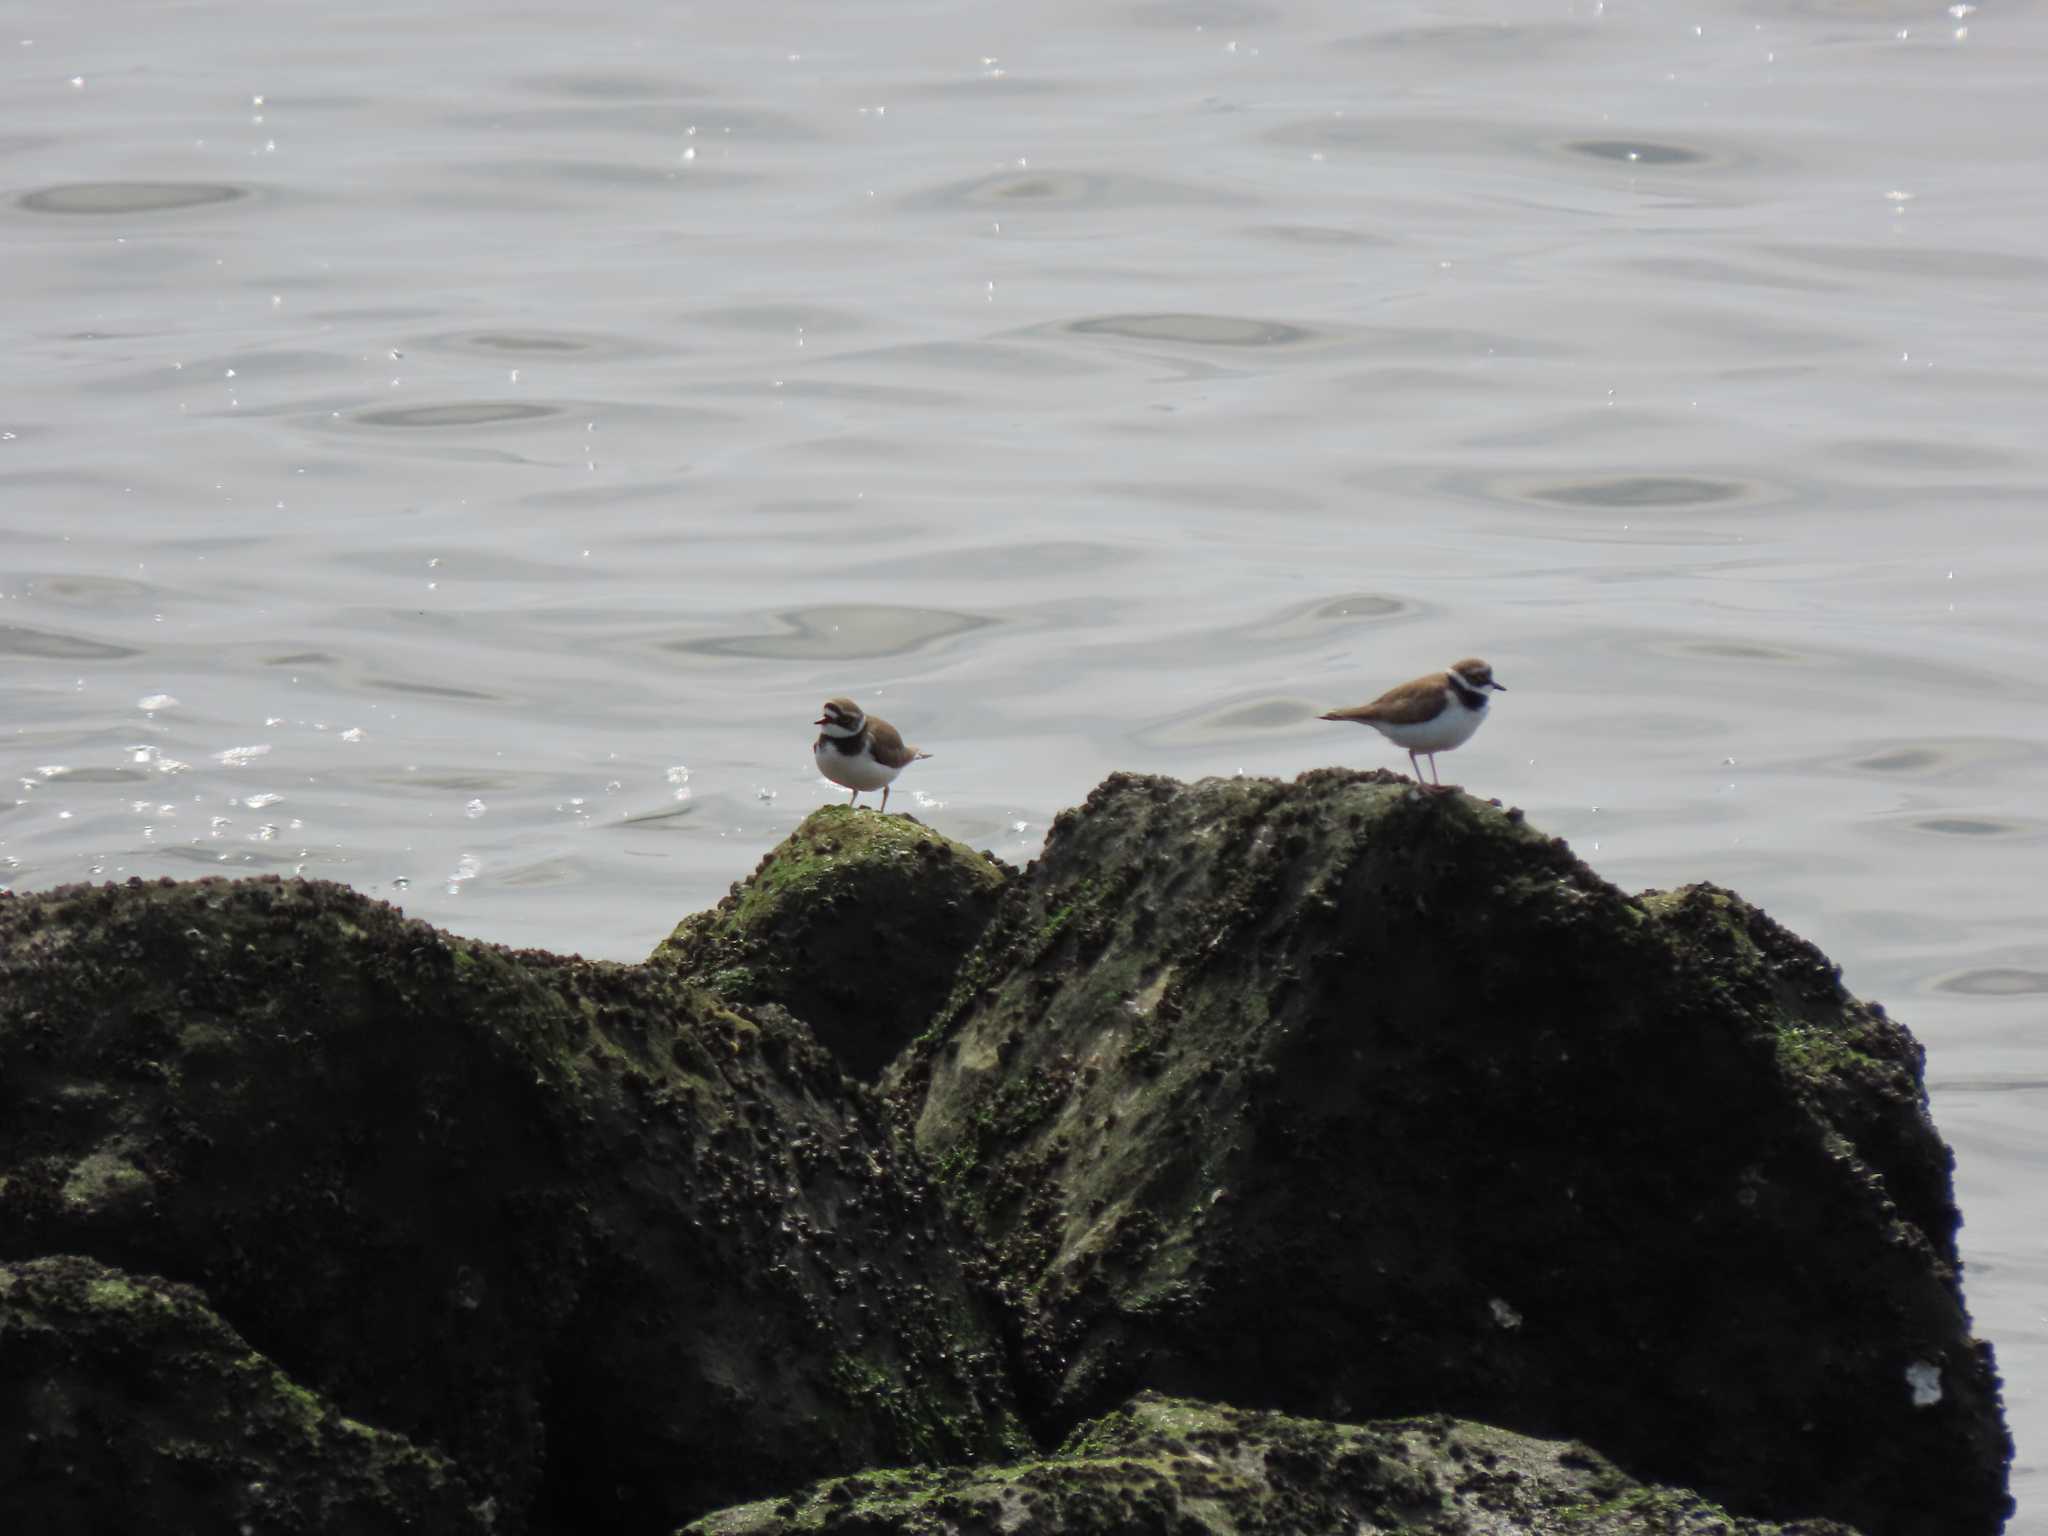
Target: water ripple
(1326,235)
(1184,15)
(433,690)
(1003,359)
(1064,558)
(74,589)
(1236,721)
(1909,261)
(1642,491)
(1635,151)
(1935,758)
(843,631)
(789,319)
(1994,981)
(106,197)
(1470,43)
(1646,492)
(1217,495)
(2004,828)
(1065,191)
(1722,273)
(1494,139)
(595,85)
(18,640)
(461,413)
(531,344)
(612,175)
(1196,330)
(1323,616)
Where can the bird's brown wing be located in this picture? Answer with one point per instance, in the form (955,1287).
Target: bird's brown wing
(887,745)
(1409,704)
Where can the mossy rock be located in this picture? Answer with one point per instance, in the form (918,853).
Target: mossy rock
(127,1405)
(1340,1098)
(1175,1467)
(1859,1070)
(856,923)
(620,1250)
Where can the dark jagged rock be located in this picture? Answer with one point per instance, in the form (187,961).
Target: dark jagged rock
(1334,1097)
(856,923)
(1327,1097)
(1173,1467)
(621,1252)
(125,1405)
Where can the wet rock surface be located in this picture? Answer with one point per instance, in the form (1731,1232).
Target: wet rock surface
(616,1249)
(1333,1097)
(856,923)
(1175,1467)
(1328,1098)
(126,1405)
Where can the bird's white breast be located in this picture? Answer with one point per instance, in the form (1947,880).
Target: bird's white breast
(852,770)
(1453,727)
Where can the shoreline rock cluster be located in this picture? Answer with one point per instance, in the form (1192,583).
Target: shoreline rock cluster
(1277,1156)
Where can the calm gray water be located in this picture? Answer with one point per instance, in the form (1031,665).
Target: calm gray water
(453,450)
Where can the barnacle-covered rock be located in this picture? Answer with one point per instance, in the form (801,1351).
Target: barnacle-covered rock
(1340,1098)
(620,1250)
(1173,1467)
(856,923)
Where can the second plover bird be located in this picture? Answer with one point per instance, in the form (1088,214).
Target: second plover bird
(1430,715)
(859,752)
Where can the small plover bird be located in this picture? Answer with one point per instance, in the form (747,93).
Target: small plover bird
(1430,715)
(859,752)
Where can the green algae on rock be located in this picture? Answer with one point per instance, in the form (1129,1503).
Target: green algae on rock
(1327,1097)
(1857,1069)
(856,923)
(125,1404)
(1176,1467)
(619,1250)
(1337,1098)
